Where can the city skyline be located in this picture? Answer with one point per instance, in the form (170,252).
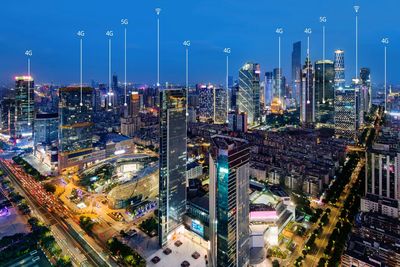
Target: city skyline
(56,53)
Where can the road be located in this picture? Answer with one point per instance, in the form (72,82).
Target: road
(322,241)
(54,214)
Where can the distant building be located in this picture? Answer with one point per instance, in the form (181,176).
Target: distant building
(220,105)
(76,127)
(45,129)
(172,162)
(365,93)
(130,121)
(340,80)
(229,202)
(206,102)
(324,91)
(346,115)
(237,121)
(249,92)
(307,106)
(296,71)
(268,87)
(24,107)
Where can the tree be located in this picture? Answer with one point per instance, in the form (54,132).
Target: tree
(49,188)
(275,263)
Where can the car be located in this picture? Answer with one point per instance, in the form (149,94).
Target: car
(167,251)
(155,259)
(185,264)
(195,255)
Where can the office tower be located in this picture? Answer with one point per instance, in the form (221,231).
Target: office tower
(262,94)
(206,102)
(365,90)
(172,179)
(307,105)
(76,127)
(229,201)
(279,84)
(234,97)
(249,92)
(7,116)
(296,71)
(237,121)
(24,106)
(220,105)
(130,120)
(324,91)
(45,129)
(346,115)
(268,87)
(340,80)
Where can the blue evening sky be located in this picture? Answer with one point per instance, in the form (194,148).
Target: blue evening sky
(49,27)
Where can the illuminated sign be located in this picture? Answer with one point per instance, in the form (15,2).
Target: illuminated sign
(198,228)
(263,216)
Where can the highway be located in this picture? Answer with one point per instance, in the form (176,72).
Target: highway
(55,215)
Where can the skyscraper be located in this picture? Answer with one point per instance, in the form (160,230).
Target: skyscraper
(340,80)
(296,71)
(249,92)
(324,91)
(279,85)
(365,91)
(172,179)
(130,121)
(220,105)
(206,101)
(346,115)
(229,202)
(24,106)
(76,126)
(307,104)
(268,83)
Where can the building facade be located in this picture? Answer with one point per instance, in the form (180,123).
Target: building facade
(76,127)
(249,92)
(172,162)
(229,202)
(324,91)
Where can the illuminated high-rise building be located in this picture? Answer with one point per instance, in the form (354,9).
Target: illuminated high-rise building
(76,127)
(229,202)
(365,90)
(279,83)
(307,104)
(324,91)
(249,92)
(346,112)
(296,71)
(7,116)
(220,105)
(268,87)
(340,80)
(130,121)
(206,102)
(24,106)
(172,161)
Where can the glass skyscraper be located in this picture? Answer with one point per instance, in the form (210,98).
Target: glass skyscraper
(324,91)
(346,115)
(340,80)
(220,105)
(24,106)
(249,92)
(307,105)
(296,71)
(173,157)
(229,202)
(76,126)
